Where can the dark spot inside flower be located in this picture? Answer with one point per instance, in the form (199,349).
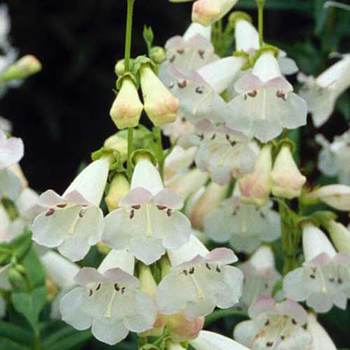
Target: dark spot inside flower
(161,207)
(294,321)
(208,266)
(61,205)
(168,212)
(269,344)
(132,213)
(266,285)
(281,94)
(180,51)
(331,279)
(116,287)
(340,281)
(267,323)
(50,212)
(90,292)
(199,90)
(185,272)
(252,93)
(172,59)
(81,213)
(312,276)
(123,290)
(191,270)
(213,137)
(201,137)
(136,207)
(262,215)
(98,287)
(218,269)
(283,337)
(183,119)
(305,326)
(201,53)
(245,97)
(182,84)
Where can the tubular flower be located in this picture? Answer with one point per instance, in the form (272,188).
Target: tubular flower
(265,103)
(243,225)
(287,181)
(110,303)
(223,152)
(73,222)
(148,221)
(340,236)
(127,107)
(278,326)
(324,279)
(322,93)
(160,105)
(260,275)
(199,281)
(207,12)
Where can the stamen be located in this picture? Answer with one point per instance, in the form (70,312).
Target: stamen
(281,94)
(182,84)
(61,205)
(201,53)
(191,270)
(136,207)
(98,287)
(116,287)
(50,212)
(132,213)
(252,93)
(199,90)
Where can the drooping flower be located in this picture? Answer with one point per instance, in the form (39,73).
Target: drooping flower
(265,103)
(334,158)
(127,107)
(11,150)
(148,221)
(160,105)
(214,341)
(199,281)
(278,326)
(322,93)
(324,278)
(260,275)
(287,180)
(73,222)
(255,187)
(244,226)
(223,152)
(109,302)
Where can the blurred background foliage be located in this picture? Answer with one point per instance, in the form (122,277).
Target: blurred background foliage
(62,113)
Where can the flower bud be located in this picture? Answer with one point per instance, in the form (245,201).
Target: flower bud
(206,12)
(23,68)
(256,186)
(127,107)
(118,188)
(158,54)
(340,236)
(208,201)
(160,105)
(117,143)
(287,181)
(119,68)
(147,282)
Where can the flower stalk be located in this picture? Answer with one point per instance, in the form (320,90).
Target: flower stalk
(261,4)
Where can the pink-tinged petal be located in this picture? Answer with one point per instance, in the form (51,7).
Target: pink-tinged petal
(75,197)
(50,199)
(342,259)
(320,260)
(224,256)
(292,309)
(262,305)
(280,84)
(89,275)
(118,275)
(136,196)
(169,199)
(11,150)
(248,83)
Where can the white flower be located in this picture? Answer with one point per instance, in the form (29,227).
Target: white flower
(287,180)
(322,93)
(260,275)
(320,338)
(334,158)
(206,12)
(223,152)
(266,103)
(148,220)
(243,225)
(277,326)
(247,37)
(73,222)
(11,150)
(109,302)
(324,278)
(340,236)
(199,281)
(212,341)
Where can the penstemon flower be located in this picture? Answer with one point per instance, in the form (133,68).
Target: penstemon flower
(266,103)
(199,281)
(148,221)
(274,325)
(243,225)
(324,278)
(322,93)
(73,222)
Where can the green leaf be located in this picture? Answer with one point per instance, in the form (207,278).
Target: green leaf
(70,342)
(14,333)
(7,344)
(34,270)
(30,304)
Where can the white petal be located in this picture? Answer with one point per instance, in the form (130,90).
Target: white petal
(118,258)
(109,331)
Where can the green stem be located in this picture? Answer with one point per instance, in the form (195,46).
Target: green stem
(159,149)
(130,151)
(37,342)
(218,314)
(261,4)
(128,34)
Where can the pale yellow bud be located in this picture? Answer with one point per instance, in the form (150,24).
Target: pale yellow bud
(118,188)
(160,105)
(147,283)
(127,107)
(23,68)
(340,236)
